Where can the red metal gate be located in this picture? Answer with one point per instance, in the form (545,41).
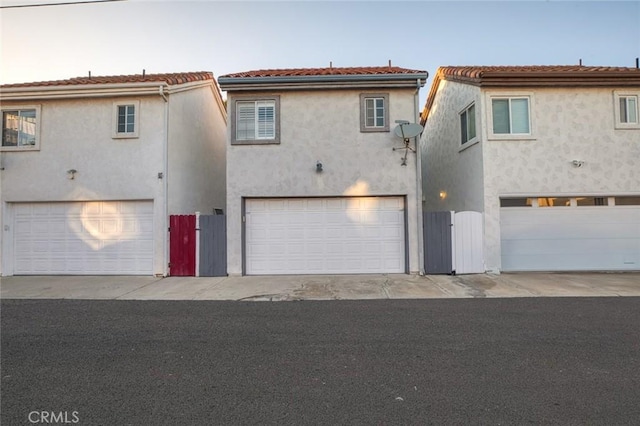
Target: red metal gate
(182,245)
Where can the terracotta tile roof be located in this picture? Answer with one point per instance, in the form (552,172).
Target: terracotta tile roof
(170,79)
(311,72)
(531,76)
(478,73)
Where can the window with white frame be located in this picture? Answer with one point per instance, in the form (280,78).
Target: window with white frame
(626,111)
(255,121)
(468,124)
(20,128)
(374,112)
(126,119)
(510,115)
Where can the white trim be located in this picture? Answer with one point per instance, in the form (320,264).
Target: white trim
(474,140)
(386,111)
(374,107)
(36,146)
(617,94)
(490,96)
(468,145)
(79,91)
(136,120)
(233,108)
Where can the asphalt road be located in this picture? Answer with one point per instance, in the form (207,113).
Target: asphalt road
(461,361)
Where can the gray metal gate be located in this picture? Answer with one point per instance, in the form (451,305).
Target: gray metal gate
(213,246)
(437,243)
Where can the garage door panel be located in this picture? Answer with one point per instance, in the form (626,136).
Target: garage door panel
(294,234)
(611,227)
(341,235)
(371,217)
(277,219)
(570,239)
(577,246)
(331,204)
(551,262)
(567,215)
(353,233)
(104,238)
(276,205)
(392,217)
(353,248)
(555,231)
(332,233)
(336,218)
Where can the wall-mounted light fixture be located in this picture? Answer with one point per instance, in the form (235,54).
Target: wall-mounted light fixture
(318,167)
(443,195)
(577,163)
(71,174)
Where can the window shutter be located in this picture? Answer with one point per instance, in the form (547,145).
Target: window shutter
(245,120)
(266,120)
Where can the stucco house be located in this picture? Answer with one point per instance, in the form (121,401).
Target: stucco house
(314,185)
(91,168)
(550,155)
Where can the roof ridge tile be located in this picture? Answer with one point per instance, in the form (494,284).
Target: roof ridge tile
(312,72)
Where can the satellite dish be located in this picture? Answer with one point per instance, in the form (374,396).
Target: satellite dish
(408,130)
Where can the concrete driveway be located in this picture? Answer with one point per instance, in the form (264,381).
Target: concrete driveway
(330,287)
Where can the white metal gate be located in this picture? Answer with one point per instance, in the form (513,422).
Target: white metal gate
(468,254)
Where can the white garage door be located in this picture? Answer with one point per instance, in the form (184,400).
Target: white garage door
(570,238)
(325,235)
(83,238)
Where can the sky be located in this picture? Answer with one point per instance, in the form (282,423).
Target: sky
(125,37)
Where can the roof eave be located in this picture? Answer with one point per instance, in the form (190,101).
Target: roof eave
(97,90)
(560,82)
(323,81)
(80,91)
(550,79)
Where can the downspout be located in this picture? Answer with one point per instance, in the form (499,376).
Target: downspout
(419,184)
(165,179)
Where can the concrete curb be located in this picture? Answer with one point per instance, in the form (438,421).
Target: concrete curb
(322,287)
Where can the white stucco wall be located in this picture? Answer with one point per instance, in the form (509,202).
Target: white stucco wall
(197,153)
(446,166)
(77,134)
(324,126)
(567,124)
